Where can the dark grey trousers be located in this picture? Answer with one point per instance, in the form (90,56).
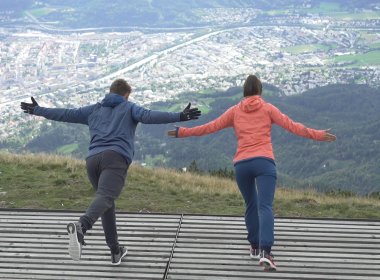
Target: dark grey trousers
(107,172)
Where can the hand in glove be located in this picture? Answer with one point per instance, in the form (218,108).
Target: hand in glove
(29,107)
(189,114)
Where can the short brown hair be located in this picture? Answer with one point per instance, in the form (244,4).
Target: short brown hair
(252,86)
(120,87)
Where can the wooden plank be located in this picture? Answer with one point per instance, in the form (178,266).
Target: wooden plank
(6,222)
(27,276)
(10,247)
(84,269)
(64,221)
(64,232)
(207,255)
(174,274)
(279,245)
(240,221)
(55,214)
(373,237)
(77,274)
(293,261)
(268,276)
(238,269)
(287,231)
(234,251)
(85,258)
(85,252)
(94,237)
(55,228)
(284,226)
(127,262)
(212,248)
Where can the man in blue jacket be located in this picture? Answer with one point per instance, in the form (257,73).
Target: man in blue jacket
(112,124)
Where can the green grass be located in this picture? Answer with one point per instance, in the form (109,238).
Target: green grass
(332,9)
(375,45)
(53,182)
(329,6)
(307,48)
(278,12)
(41,12)
(67,149)
(206,91)
(348,16)
(369,58)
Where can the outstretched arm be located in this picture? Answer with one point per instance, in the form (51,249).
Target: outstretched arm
(223,121)
(146,116)
(298,128)
(79,115)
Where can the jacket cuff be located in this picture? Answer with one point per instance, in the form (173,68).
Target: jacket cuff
(37,111)
(320,135)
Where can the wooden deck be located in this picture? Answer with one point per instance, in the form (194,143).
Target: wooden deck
(33,245)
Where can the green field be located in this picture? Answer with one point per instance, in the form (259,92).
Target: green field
(53,182)
(206,91)
(366,59)
(329,6)
(330,9)
(67,149)
(278,12)
(41,12)
(348,16)
(375,45)
(323,8)
(307,48)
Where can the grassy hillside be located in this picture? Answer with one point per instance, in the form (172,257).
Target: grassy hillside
(350,164)
(53,182)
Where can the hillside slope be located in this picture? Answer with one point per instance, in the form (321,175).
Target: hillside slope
(53,182)
(349,165)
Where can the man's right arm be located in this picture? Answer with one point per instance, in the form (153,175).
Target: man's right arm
(78,115)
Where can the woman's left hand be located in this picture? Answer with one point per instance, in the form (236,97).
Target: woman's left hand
(329,137)
(172,133)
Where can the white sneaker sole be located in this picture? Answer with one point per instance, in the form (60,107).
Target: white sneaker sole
(75,248)
(255,257)
(122,256)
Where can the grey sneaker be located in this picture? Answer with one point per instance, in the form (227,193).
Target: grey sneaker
(76,240)
(116,258)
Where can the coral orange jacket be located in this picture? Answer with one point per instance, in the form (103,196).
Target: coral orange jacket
(252,120)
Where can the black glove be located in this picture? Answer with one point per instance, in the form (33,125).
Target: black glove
(29,107)
(189,114)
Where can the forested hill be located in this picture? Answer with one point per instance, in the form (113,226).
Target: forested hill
(349,164)
(148,13)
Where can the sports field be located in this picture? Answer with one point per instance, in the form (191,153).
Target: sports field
(371,58)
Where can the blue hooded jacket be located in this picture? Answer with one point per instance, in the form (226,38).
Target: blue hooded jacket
(112,122)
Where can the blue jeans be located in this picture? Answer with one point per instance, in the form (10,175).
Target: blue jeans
(256,178)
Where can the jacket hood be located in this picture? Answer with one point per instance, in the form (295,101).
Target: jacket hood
(252,103)
(112,100)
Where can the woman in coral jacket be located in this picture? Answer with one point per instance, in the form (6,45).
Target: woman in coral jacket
(252,119)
